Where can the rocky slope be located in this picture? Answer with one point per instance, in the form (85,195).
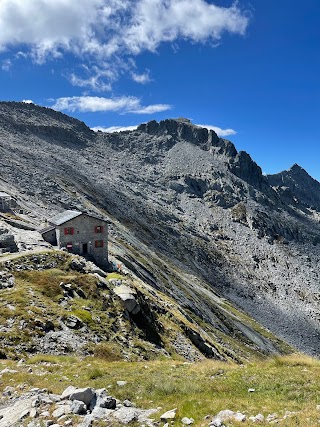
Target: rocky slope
(192,217)
(65,304)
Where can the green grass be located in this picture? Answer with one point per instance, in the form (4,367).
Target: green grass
(84,315)
(281,384)
(115,275)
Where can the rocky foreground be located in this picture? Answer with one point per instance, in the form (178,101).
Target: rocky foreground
(91,391)
(75,406)
(82,407)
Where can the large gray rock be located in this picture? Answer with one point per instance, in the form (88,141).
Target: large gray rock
(78,407)
(187,421)
(126,415)
(78,264)
(67,392)
(73,322)
(64,409)
(227,415)
(87,421)
(83,394)
(169,415)
(107,402)
(128,298)
(10,415)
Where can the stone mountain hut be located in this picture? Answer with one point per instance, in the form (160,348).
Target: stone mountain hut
(81,233)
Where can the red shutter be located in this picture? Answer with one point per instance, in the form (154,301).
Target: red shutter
(69,230)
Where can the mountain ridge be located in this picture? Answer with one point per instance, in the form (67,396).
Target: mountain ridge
(190,214)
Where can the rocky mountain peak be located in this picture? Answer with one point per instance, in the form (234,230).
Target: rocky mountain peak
(304,188)
(180,128)
(298,170)
(183,129)
(296,167)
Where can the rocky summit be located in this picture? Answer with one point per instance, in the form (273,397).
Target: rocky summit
(192,219)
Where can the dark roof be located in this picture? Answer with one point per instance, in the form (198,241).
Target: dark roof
(46,229)
(64,216)
(68,215)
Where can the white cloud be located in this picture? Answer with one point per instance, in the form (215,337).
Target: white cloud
(95,82)
(141,78)
(6,65)
(110,31)
(112,129)
(157,21)
(219,131)
(123,104)
(47,27)
(27,101)
(151,109)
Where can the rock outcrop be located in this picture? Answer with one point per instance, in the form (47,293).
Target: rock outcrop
(298,185)
(7,241)
(83,405)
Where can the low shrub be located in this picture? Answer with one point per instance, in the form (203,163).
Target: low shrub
(108,351)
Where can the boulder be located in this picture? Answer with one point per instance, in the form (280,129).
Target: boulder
(169,415)
(73,322)
(61,410)
(107,402)
(78,264)
(227,415)
(93,269)
(78,407)
(67,392)
(187,421)
(10,415)
(127,296)
(87,421)
(126,415)
(83,394)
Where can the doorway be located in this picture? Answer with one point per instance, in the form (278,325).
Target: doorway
(85,248)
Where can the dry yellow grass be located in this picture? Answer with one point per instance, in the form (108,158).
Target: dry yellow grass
(281,384)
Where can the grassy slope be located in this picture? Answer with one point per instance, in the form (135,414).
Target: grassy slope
(35,300)
(281,384)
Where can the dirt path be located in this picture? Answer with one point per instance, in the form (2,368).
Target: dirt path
(9,257)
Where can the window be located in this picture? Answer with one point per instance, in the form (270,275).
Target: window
(69,230)
(98,229)
(98,244)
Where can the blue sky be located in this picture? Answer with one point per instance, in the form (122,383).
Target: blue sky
(250,68)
